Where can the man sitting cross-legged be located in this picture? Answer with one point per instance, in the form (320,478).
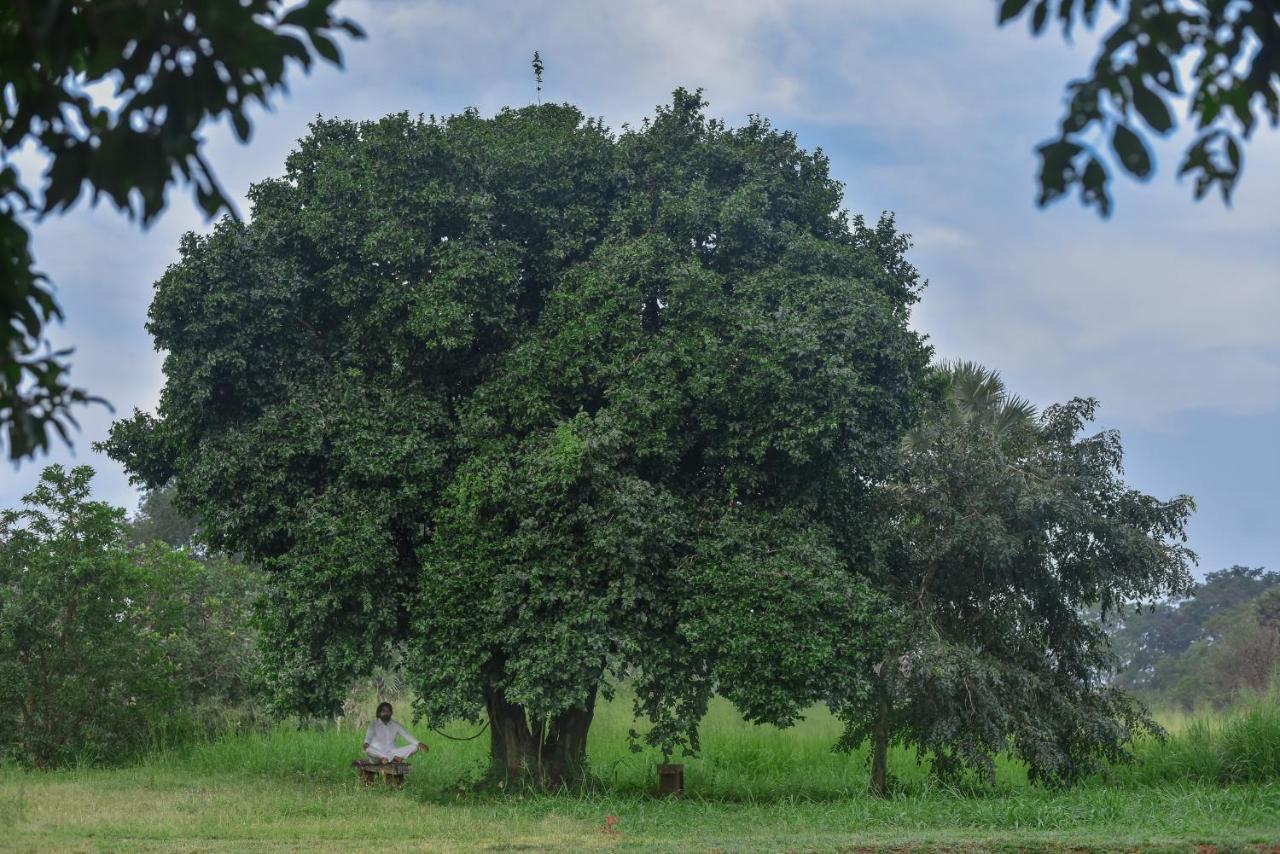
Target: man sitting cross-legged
(380,738)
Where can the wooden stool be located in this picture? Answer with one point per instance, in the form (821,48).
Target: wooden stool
(392,772)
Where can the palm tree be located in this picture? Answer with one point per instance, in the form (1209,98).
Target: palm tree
(976,397)
(976,403)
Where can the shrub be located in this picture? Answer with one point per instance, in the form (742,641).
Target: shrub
(103,643)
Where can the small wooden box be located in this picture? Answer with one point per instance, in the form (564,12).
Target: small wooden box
(670,780)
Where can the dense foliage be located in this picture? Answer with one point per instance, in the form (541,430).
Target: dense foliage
(1222,56)
(219,646)
(107,646)
(170,66)
(1008,530)
(543,406)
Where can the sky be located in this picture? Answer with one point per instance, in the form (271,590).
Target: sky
(1168,312)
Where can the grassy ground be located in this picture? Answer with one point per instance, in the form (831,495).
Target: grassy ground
(753,788)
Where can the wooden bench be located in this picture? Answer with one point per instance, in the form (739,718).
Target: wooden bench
(392,772)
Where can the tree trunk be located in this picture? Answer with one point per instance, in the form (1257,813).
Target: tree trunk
(549,754)
(880,750)
(509,736)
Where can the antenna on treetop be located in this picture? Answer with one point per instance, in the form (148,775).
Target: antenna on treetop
(537,74)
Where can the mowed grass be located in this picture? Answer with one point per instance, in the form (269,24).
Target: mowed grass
(1216,782)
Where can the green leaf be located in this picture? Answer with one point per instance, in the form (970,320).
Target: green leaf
(1057,169)
(241,124)
(351,28)
(1040,16)
(1233,153)
(326,48)
(1010,9)
(1152,108)
(1132,151)
(1093,187)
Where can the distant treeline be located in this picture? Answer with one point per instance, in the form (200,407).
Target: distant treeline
(1222,640)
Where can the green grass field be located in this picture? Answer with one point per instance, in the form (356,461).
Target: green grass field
(1217,782)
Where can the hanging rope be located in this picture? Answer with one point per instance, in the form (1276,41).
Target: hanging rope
(456,738)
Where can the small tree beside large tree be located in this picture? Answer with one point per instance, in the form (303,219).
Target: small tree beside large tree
(1007,531)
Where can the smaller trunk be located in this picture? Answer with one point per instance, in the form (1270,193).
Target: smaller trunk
(563,755)
(509,736)
(880,750)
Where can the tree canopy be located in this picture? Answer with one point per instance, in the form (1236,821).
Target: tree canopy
(545,406)
(173,65)
(1222,56)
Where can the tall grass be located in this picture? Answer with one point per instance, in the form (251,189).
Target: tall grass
(738,761)
(1239,746)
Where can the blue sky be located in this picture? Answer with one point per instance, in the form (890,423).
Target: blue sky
(1167,313)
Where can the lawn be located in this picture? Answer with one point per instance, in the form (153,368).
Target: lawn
(753,788)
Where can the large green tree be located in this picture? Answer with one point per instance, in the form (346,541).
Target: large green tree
(1007,532)
(546,406)
(171,66)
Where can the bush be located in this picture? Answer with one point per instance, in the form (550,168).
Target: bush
(105,645)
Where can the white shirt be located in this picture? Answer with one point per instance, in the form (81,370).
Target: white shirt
(382,737)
